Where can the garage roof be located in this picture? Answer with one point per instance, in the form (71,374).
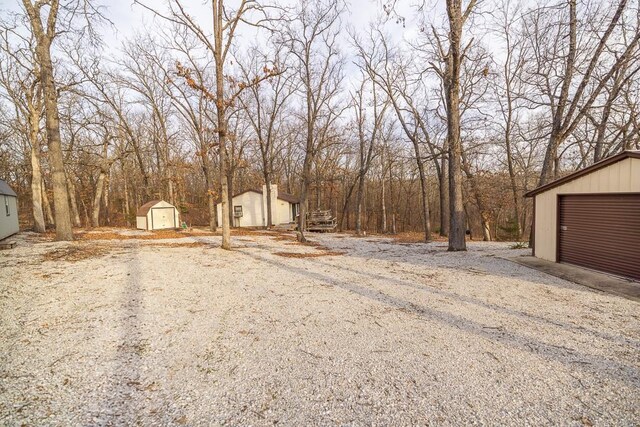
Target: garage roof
(144,209)
(582,172)
(5,190)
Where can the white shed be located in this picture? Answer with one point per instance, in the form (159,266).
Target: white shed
(157,215)
(250,207)
(9,215)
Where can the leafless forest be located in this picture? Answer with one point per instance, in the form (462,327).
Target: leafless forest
(434,118)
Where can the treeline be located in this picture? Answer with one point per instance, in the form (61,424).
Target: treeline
(439,131)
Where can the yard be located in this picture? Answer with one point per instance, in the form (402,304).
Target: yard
(117,328)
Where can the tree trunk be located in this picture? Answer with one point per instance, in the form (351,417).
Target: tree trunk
(73,202)
(212,212)
(444,196)
(426,221)
(480,201)
(218,12)
(39,225)
(359,195)
(64,229)
(383,208)
(106,197)
(47,205)
(304,186)
(452,88)
(208,179)
(126,201)
(230,195)
(97,199)
(267,180)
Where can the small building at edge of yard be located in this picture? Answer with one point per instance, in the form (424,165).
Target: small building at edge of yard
(250,208)
(591,218)
(9,215)
(157,215)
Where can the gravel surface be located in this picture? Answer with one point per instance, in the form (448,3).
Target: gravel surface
(360,332)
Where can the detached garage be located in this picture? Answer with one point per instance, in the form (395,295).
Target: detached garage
(157,215)
(591,218)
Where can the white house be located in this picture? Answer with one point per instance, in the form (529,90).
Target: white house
(250,208)
(157,215)
(9,213)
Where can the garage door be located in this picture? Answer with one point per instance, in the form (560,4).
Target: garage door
(163,218)
(601,232)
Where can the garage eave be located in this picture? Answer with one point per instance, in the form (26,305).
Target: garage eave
(582,172)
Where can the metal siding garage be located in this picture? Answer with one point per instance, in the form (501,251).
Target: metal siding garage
(601,232)
(591,217)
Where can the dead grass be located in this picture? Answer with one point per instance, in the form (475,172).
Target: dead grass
(248,232)
(308,255)
(285,238)
(97,234)
(179,245)
(76,253)
(410,237)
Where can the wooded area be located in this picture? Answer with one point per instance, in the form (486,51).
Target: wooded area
(441,129)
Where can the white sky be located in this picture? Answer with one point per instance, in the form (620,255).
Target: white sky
(129,17)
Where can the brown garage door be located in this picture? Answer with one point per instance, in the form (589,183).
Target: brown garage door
(602,232)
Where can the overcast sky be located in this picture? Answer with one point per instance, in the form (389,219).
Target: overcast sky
(129,18)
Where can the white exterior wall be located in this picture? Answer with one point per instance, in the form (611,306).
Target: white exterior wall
(141,222)
(8,224)
(254,209)
(252,213)
(283,212)
(620,177)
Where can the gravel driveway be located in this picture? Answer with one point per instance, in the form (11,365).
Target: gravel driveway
(353,332)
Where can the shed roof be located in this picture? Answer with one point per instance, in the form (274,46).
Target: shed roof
(582,172)
(5,190)
(144,209)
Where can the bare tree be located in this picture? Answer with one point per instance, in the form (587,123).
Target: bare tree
(313,40)
(265,106)
(572,75)
(451,78)
(43,27)
(391,76)
(368,129)
(20,78)
(225,24)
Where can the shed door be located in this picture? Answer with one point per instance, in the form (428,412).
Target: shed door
(163,218)
(601,231)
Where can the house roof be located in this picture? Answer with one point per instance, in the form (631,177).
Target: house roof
(290,198)
(582,172)
(5,190)
(144,209)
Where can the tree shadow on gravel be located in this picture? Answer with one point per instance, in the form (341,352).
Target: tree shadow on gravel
(523,315)
(569,357)
(121,393)
(125,397)
(436,255)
